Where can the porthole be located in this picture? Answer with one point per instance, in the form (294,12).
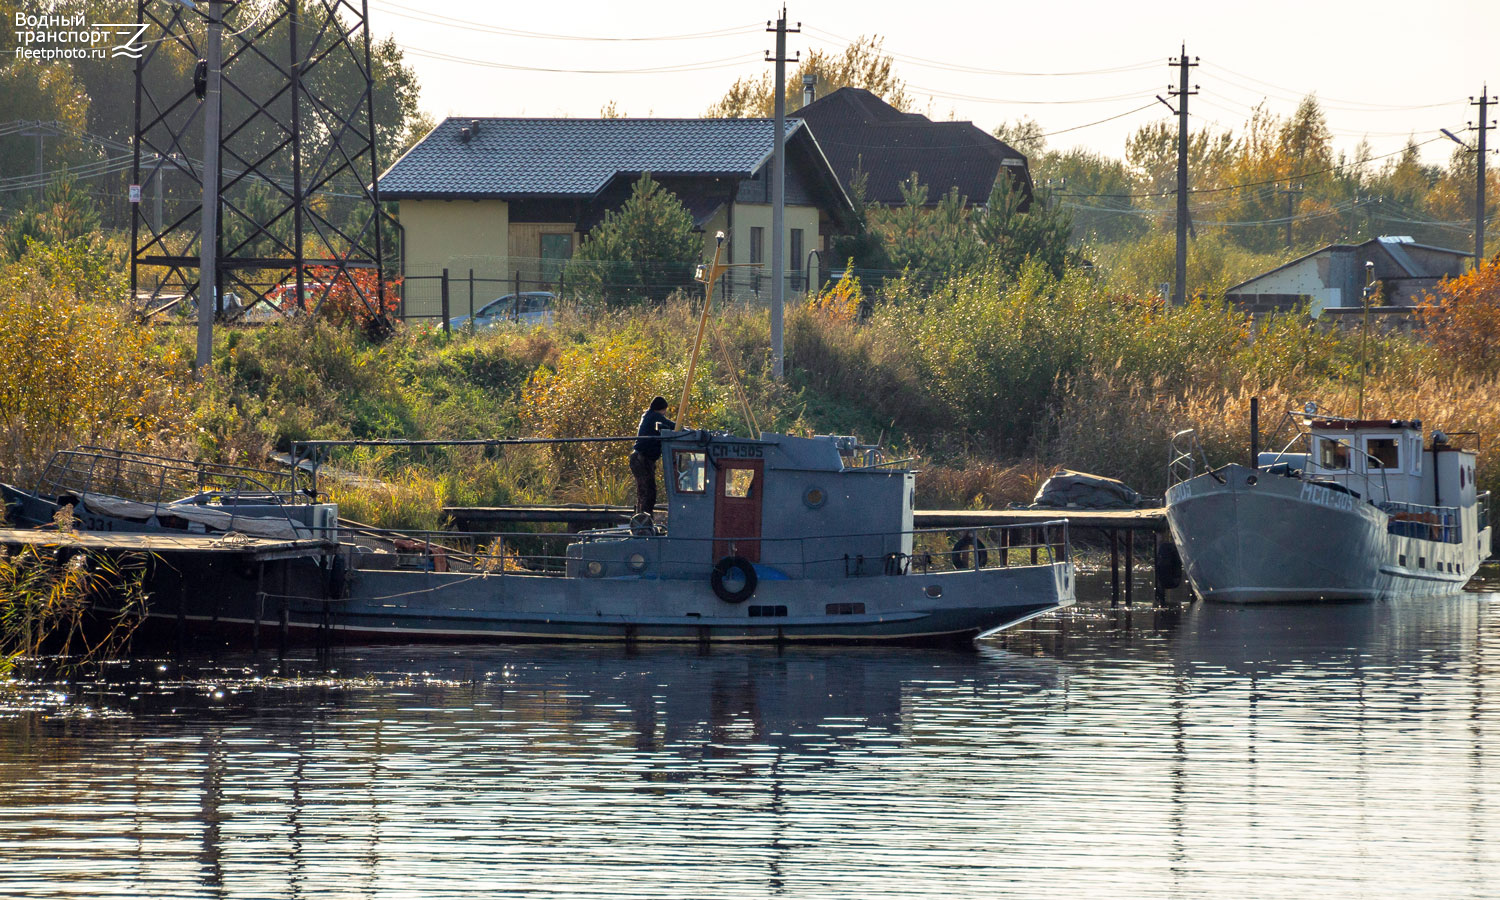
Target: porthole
(594,568)
(636,562)
(814,498)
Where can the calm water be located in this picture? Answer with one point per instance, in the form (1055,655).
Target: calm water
(1299,751)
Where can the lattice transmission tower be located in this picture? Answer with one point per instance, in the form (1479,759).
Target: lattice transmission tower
(298,205)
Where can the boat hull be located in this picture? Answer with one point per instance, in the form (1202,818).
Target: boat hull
(1257,538)
(239,600)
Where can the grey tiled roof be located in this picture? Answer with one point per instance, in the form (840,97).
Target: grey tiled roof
(574,157)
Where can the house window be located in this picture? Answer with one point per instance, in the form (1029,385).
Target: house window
(556,249)
(1384,453)
(796,249)
(691,467)
(1332,454)
(757,243)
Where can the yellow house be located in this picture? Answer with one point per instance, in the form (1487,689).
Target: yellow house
(509,200)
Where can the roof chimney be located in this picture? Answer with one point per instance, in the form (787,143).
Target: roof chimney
(809,89)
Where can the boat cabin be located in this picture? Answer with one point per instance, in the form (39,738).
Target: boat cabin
(793,507)
(1385,461)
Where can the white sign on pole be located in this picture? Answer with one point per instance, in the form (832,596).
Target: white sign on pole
(135,193)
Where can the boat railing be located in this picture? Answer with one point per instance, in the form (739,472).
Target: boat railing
(1183,455)
(159,484)
(1441,524)
(1385,482)
(934,550)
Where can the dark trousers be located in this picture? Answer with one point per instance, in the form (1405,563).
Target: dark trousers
(644,471)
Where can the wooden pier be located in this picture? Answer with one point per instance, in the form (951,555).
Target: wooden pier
(250,549)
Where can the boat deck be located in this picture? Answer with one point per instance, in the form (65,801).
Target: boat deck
(250,548)
(482,518)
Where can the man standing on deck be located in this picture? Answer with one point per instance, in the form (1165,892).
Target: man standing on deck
(646,452)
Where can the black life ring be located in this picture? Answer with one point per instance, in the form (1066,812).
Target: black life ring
(721,569)
(961,549)
(1168,565)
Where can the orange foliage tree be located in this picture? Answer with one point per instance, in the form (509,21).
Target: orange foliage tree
(352,297)
(1462,318)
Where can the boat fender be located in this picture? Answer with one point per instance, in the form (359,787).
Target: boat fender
(722,568)
(1168,565)
(961,549)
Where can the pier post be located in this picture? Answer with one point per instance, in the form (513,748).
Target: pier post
(1114,566)
(1161,591)
(284,608)
(1129,564)
(260,605)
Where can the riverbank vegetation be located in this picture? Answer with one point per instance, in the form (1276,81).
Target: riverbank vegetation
(991,378)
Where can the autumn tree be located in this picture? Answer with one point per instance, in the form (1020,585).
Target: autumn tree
(863,64)
(1462,318)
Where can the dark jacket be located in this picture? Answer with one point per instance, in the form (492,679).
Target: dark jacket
(652,424)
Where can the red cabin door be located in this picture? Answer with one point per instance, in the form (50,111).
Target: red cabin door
(741,482)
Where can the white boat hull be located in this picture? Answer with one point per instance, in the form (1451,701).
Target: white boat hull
(1258,538)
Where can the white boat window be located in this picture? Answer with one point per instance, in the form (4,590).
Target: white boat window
(737,482)
(1332,454)
(1383,453)
(691,467)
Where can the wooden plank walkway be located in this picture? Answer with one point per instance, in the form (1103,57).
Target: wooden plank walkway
(254,549)
(494,518)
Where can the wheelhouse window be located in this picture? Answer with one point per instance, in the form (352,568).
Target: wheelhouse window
(1383,452)
(1332,454)
(691,467)
(738,482)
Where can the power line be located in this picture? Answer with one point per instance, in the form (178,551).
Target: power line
(1235,187)
(1099,122)
(407,12)
(978,70)
(971,98)
(705,65)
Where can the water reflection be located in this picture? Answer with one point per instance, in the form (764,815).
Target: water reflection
(1332,750)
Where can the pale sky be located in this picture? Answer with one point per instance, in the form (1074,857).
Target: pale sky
(1382,69)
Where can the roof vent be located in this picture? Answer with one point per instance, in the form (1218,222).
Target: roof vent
(464,134)
(474,127)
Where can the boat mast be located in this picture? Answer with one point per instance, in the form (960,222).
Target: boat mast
(708,278)
(1364,336)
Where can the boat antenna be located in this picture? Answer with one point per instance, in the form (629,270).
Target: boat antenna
(1364,336)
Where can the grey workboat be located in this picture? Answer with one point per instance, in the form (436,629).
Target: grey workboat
(779,538)
(1352,509)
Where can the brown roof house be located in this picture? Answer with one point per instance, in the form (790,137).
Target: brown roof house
(859,132)
(514,197)
(1331,281)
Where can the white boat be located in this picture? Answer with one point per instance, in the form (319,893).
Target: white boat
(1364,509)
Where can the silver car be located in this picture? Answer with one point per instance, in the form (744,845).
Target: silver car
(530,308)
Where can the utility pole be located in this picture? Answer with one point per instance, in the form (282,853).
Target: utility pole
(1292,192)
(1182,93)
(1484,125)
(208,235)
(778,197)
